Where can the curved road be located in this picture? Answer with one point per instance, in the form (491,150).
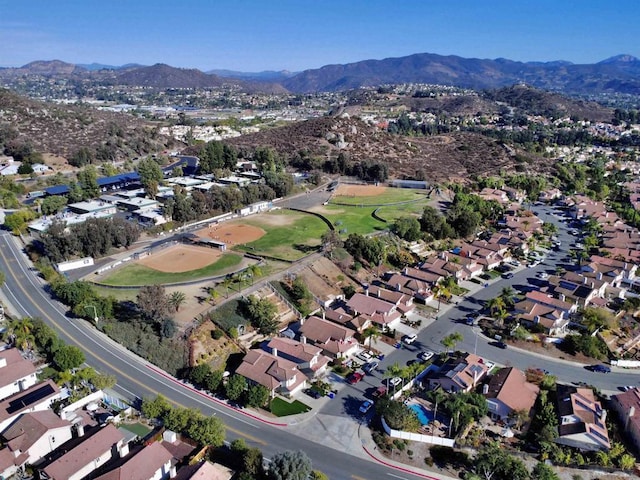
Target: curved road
(138,379)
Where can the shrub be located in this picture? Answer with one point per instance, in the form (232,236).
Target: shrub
(217,334)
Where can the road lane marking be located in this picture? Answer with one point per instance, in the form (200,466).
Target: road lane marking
(159,378)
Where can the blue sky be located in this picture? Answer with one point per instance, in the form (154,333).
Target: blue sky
(255,35)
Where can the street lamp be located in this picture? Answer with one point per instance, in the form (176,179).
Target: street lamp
(95,312)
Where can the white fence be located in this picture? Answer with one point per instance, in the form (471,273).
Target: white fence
(417,437)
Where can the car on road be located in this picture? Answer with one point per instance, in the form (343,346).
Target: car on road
(409,339)
(355,377)
(426,355)
(543,275)
(508,276)
(626,388)
(366,406)
(395,381)
(600,368)
(499,344)
(371,366)
(533,263)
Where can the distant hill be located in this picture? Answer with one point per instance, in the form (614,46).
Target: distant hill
(62,130)
(617,74)
(100,66)
(165,76)
(265,76)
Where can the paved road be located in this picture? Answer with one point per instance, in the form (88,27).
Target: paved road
(138,379)
(449,321)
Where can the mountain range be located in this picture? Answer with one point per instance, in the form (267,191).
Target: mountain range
(619,74)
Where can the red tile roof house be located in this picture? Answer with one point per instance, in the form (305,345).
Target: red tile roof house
(581,419)
(610,270)
(104,445)
(16,373)
(381,312)
(548,301)
(627,405)
(205,471)
(508,391)
(577,288)
(422,275)
(341,317)
(419,289)
(37,398)
(275,373)
(403,303)
(460,374)
(30,438)
(553,321)
(488,259)
(335,340)
(153,462)
(309,358)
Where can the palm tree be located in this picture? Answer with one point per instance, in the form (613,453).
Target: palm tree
(21,332)
(507,295)
(254,271)
(441,291)
(372,334)
(176,299)
(226,283)
(213,296)
(450,341)
(495,304)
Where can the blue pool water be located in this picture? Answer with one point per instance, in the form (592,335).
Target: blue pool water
(425,416)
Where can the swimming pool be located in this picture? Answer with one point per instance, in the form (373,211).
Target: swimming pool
(425,416)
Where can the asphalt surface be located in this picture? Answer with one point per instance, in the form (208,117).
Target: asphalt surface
(138,379)
(451,319)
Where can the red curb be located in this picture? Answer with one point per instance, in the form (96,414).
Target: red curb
(395,467)
(219,402)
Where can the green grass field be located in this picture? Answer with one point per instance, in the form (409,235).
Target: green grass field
(281,408)
(390,195)
(136,274)
(360,219)
(300,236)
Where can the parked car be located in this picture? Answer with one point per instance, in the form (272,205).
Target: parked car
(371,366)
(366,406)
(312,393)
(514,263)
(365,355)
(543,275)
(355,377)
(395,381)
(600,368)
(533,264)
(508,276)
(409,339)
(426,355)
(380,391)
(499,344)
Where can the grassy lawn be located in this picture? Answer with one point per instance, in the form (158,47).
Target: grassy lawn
(137,428)
(360,219)
(390,195)
(282,408)
(118,293)
(458,290)
(297,237)
(136,274)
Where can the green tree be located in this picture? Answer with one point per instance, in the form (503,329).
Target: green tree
(542,471)
(68,357)
(372,334)
(150,175)
(397,415)
(214,380)
(198,374)
(88,182)
(17,221)
(262,313)
(450,341)
(20,332)
(207,431)
(155,408)
(289,465)
(235,387)
(257,396)
(53,204)
(407,228)
(177,299)
(153,302)
(494,463)
(626,461)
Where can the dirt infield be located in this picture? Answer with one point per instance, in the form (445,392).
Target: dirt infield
(181,258)
(232,233)
(359,190)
